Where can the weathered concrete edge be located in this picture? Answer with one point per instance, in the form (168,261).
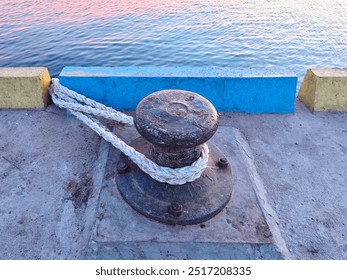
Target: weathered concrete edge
(324,89)
(90,212)
(260,190)
(32,95)
(308,89)
(183,71)
(228,89)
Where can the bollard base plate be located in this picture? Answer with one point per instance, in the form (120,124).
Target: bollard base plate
(187,204)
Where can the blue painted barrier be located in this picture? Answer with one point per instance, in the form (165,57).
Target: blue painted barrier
(230,90)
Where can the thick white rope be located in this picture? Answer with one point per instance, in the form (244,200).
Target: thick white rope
(70,100)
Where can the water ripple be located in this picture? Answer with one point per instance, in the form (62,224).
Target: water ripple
(297,34)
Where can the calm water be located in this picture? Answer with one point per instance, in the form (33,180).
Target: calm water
(236,33)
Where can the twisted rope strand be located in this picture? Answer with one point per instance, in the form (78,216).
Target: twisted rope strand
(91,107)
(67,99)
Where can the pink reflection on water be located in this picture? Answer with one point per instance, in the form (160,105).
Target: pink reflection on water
(73,11)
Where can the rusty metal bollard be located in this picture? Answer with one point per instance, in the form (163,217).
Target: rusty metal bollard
(173,125)
(176,123)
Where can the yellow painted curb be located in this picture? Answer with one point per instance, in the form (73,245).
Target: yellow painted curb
(24,87)
(324,89)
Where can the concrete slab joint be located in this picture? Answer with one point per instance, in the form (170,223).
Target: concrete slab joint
(24,87)
(325,89)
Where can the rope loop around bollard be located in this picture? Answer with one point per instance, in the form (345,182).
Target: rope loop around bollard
(82,107)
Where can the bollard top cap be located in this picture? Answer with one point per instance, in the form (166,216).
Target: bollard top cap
(176,118)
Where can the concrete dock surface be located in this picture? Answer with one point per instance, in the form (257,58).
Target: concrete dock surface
(53,169)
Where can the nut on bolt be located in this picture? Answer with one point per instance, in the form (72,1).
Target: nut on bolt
(122,167)
(175,209)
(222,163)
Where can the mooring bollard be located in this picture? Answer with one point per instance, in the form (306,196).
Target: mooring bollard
(174,124)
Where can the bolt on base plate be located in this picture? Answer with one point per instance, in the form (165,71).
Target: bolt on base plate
(191,203)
